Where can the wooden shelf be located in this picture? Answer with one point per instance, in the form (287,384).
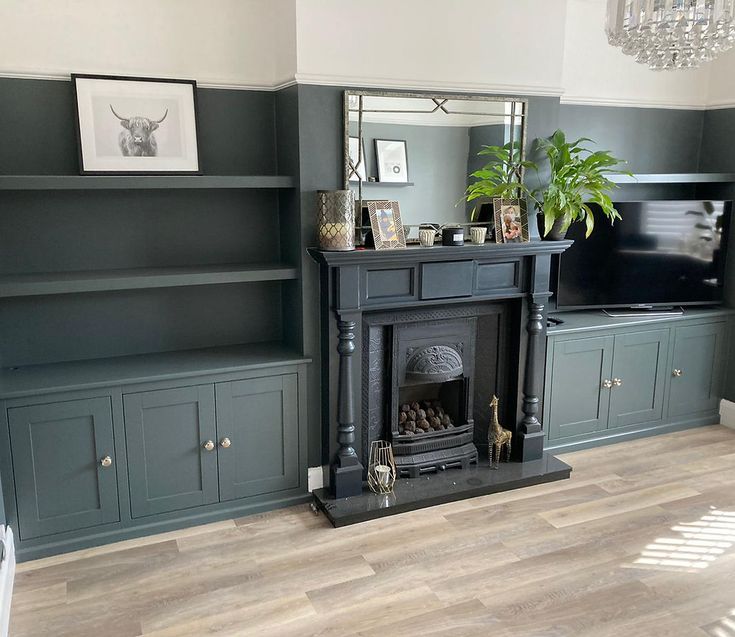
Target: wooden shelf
(674,178)
(15,285)
(141,182)
(124,370)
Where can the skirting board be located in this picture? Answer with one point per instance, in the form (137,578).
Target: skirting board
(7,574)
(727,413)
(316,478)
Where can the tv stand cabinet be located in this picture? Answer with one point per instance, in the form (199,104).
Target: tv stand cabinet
(613,379)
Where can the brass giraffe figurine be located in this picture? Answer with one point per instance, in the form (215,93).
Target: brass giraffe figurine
(497,436)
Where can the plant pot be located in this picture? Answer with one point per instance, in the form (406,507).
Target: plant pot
(557,233)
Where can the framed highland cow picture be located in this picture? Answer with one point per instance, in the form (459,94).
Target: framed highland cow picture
(136,125)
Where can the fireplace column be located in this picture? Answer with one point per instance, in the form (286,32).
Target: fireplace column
(530,430)
(346,470)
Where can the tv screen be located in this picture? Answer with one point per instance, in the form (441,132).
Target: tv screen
(662,253)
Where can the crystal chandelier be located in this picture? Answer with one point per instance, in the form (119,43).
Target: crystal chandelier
(671,34)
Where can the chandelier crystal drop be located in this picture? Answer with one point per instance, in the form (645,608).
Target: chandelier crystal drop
(671,34)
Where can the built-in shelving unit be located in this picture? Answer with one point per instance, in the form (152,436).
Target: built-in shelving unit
(137,278)
(673,178)
(15,285)
(141,182)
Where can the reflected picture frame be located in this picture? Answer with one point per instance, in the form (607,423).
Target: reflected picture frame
(385,221)
(391,156)
(511,221)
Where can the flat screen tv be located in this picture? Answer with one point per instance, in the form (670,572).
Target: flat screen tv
(662,253)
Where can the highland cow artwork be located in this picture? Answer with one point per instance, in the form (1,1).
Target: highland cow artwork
(136,125)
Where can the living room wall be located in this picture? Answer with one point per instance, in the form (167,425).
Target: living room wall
(575,80)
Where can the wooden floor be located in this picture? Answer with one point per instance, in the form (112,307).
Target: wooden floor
(640,542)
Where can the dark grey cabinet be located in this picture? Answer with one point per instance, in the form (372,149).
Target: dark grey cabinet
(697,368)
(576,403)
(638,378)
(257,428)
(171,445)
(606,382)
(188,449)
(609,378)
(64,466)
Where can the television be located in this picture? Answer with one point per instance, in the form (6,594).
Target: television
(660,254)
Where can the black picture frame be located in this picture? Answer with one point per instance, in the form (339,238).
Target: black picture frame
(128,78)
(378,160)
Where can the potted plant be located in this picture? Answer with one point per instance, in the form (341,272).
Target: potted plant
(500,177)
(578,176)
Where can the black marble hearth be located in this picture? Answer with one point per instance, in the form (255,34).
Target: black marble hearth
(437,488)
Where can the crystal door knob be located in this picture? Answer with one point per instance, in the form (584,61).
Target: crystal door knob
(617,382)
(225,442)
(607,384)
(106,461)
(677,373)
(209,445)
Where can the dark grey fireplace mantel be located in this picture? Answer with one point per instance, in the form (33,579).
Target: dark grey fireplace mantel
(360,281)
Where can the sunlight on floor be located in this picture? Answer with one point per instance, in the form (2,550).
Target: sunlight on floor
(724,627)
(698,544)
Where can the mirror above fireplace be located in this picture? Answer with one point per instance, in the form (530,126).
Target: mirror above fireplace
(418,149)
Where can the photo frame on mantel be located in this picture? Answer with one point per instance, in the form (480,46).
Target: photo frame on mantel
(385,221)
(511,221)
(136,125)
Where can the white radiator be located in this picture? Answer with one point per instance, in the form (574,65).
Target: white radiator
(7,573)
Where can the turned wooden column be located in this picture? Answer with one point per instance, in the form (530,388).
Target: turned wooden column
(530,430)
(346,470)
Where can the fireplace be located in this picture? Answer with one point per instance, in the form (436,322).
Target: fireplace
(429,382)
(432,334)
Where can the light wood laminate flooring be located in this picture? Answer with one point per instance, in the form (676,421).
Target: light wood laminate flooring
(639,542)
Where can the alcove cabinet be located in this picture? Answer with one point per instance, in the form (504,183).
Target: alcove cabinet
(609,379)
(135,310)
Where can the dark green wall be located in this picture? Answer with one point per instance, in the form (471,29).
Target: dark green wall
(652,140)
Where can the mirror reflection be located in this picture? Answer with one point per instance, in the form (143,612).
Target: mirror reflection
(419,150)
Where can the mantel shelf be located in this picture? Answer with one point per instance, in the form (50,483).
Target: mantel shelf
(14,285)
(120,370)
(415,253)
(674,178)
(142,182)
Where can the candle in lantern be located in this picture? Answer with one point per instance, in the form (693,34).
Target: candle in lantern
(383,473)
(336,219)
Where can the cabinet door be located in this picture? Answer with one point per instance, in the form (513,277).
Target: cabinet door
(639,378)
(259,418)
(169,467)
(61,482)
(579,403)
(696,369)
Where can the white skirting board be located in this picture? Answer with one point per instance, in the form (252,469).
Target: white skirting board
(727,413)
(7,574)
(316,478)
